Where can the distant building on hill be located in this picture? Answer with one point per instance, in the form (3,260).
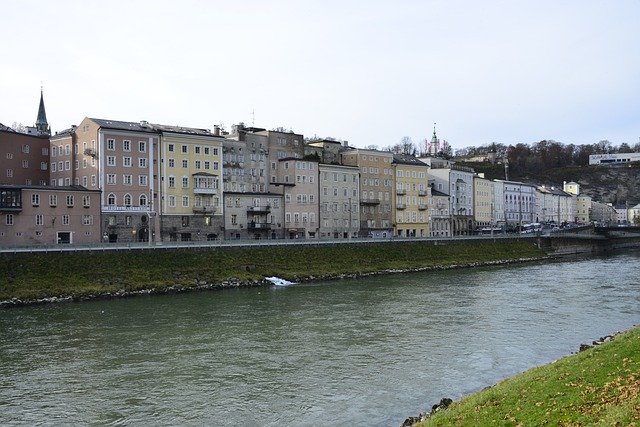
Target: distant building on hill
(614,159)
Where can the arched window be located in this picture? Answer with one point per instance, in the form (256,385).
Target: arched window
(111,199)
(127,199)
(143,200)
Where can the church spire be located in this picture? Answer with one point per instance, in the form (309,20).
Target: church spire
(41,122)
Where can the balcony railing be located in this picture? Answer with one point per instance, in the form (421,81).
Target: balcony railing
(259,225)
(401,206)
(264,209)
(422,192)
(401,191)
(370,201)
(205,190)
(422,207)
(204,209)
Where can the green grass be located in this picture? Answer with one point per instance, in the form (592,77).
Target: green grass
(29,276)
(596,387)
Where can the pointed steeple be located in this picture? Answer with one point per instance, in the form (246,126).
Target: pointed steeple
(434,138)
(41,122)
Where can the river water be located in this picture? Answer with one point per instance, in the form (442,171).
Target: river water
(354,352)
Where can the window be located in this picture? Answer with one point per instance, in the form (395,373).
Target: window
(111,199)
(126,145)
(206,150)
(198,164)
(170,148)
(185,221)
(9,173)
(111,144)
(127,200)
(172,182)
(142,180)
(86,201)
(35,199)
(172,163)
(207,164)
(84,181)
(215,151)
(185,182)
(87,219)
(142,146)
(111,178)
(215,165)
(126,179)
(67,165)
(111,160)
(196,149)
(53,200)
(185,164)
(25,164)
(25,149)
(184,149)
(126,162)
(9,219)
(39,219)
(93,180)
(143,200)
(172,201)
(69,200)
(65,219)
(185,201)
(142,162)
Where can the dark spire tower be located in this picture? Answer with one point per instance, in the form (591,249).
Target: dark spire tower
(41,122)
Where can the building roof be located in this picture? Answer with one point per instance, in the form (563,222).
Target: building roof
(121,125)
(48,187)
(185,130)
(406,159)
(438,193)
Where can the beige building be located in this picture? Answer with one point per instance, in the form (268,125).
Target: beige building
(555,206)
(339,201)
(298,181)
(191,187)
(411,197)
(483,201)
(44,215)
(583,209)
(377,185)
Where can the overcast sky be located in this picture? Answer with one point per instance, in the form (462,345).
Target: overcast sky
(369,72)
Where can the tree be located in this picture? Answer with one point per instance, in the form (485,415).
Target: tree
(405,146)
(19,127)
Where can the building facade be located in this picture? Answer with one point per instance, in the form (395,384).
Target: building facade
(339,199)
(376,190)
(411,197)
(45,215)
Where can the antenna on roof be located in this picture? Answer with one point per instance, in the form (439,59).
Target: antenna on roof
(253,118)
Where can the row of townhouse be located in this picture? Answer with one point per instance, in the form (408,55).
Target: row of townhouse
(151,182)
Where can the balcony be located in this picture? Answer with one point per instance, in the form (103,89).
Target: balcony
(422,192)
(259,225)
(401,206)
(370,201)
(204,209)
(205,190)
(422,207)
(401,191)
(259,209)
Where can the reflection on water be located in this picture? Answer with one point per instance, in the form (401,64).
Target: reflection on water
(362,352)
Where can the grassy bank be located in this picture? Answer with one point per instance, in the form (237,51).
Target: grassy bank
(41,275)
(599,386)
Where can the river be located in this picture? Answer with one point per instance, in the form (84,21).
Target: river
(353,352)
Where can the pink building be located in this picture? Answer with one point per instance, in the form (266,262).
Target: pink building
(37,215)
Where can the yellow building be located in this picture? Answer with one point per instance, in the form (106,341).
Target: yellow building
(483,201)
(191,183)
(411,197)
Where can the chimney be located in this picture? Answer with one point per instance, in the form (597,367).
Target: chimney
(216,130)
(345,144)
